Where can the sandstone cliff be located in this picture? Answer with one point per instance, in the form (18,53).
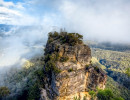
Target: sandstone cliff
(71,75)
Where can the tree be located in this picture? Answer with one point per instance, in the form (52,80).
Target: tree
(93,94)
(4,91)
(105,94)
(128,72)
(118,98)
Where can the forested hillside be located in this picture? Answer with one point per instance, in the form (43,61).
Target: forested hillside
(116,62)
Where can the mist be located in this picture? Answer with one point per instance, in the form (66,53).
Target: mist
(100,20)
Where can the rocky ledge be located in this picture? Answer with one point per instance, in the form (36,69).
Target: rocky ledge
(69,72)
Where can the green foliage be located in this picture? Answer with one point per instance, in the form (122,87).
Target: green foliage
(96,68)
(118,98)
(87,66)
(70,70)
(76,98)
(4,91)
(128,72)
(93,94)
(72,39)
(50,40)
(116,64)
(54,35)
(117,89)
(53,57)
(50,66)
(105,94)
(66,38)
(113,60)
(64,59)
(40,74)
(23,82)
(36,84)
(50,60)
(84,98)
(34,92)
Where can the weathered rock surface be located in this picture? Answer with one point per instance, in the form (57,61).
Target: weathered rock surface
(75,78)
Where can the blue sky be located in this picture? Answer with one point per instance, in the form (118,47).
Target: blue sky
(104,20)
(15,1)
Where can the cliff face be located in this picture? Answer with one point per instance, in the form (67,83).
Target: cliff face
(77,76)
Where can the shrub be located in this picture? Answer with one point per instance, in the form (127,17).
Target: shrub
(50,40)
(47,58)
(69,38)
(34,92)
(105,94)
(50,60)
(55,56)
(93,94)
(40,73)
(76,98)
(73,39)
(50,66)
(118,98)
(87,66)
(56,34)
(85,98)
(96,68)
(4,91)
(70,70)
(56,70)
(128,72)
(64,59)
(53,35)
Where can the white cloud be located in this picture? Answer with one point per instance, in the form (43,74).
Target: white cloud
(10,4)
(104,21)
(6,4)
(11,13)
(9,16)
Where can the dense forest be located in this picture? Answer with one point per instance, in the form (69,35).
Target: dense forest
(115,60)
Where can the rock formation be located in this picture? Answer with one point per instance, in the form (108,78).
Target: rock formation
(76,75)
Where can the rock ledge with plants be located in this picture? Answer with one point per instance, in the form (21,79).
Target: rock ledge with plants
(69,73)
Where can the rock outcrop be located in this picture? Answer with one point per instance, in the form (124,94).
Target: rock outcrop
(76,77)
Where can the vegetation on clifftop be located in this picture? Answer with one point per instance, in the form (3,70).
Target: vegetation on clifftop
(4,91)
(66,38)
(53,56)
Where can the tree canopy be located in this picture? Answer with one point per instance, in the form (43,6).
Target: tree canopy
(66,38)
(4,91)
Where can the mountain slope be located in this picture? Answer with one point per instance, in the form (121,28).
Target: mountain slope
(116,61)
